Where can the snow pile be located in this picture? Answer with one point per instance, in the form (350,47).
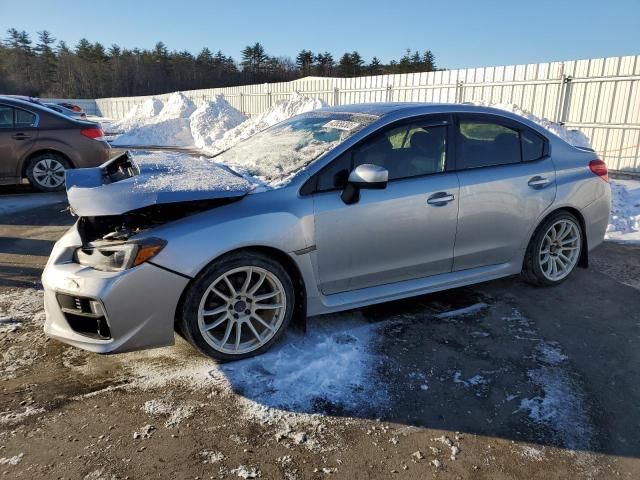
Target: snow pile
(170,127)
(573,137)
(139,115)
(212,120)
(281,111)
(624,221)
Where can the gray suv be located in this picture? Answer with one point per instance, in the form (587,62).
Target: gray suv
(330,210)
(39,144)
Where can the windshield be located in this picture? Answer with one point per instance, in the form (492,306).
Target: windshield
(277,153)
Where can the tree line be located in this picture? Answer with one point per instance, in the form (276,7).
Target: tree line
(48,68)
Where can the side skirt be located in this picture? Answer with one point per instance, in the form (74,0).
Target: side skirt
(409,288)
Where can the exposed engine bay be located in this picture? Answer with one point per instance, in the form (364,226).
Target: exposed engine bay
(120,228)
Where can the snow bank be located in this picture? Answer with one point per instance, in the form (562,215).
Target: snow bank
(295,105)
(212,120)
(574,137)
(138,116)
(213,127)
(624,221)
(170,127)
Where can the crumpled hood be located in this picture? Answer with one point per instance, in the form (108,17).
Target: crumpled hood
(126,183)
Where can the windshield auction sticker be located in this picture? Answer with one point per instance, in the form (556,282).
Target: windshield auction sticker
(341,125)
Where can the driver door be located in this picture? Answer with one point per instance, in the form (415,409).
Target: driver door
(402,232)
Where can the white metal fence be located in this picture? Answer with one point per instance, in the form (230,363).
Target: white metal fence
(599,96)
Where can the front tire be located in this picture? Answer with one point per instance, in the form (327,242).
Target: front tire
(237,307)
(46,172)
(554,251)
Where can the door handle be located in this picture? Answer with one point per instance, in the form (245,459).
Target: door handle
(20,136)
(538,182)
(440,199)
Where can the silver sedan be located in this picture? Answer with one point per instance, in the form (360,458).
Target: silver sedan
(328,211)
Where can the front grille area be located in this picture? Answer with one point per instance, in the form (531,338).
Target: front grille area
(85,316)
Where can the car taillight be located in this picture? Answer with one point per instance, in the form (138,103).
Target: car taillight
(599,168)
(95,133)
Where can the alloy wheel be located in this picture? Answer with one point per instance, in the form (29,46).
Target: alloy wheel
(242,310)
(49,173)
(560,249)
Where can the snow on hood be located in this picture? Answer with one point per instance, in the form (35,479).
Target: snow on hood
(162,178)
(212,120)
(281,111)
(573,137)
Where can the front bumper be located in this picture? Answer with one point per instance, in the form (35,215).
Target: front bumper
(138,304)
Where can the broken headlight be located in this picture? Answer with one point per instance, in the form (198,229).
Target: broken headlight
(118,256)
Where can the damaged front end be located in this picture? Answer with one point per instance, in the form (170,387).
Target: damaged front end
(116,202)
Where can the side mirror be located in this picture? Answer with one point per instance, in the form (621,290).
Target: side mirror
(366,176)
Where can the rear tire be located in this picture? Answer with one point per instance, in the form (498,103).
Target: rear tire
(45,172)
(238,307)
(554,250)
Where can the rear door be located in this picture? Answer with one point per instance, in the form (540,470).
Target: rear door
(507,180)
(18,134)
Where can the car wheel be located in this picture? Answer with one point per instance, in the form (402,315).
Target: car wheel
(554,250)
(238,307)
(46,172)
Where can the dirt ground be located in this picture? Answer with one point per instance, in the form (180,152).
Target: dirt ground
(496,381)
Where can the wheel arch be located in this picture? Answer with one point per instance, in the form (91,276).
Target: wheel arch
(300,313)
(32,155)
(583,261)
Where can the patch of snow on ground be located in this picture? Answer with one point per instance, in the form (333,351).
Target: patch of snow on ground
(175,413)
(11,460)
(331,366)
(550,353)
(624,221)
(19,306)
(531,453)
(471,382)
(181,172)
(171,127)
(561,407)
(212,120)
(295,105)
(246,472)
(573,137)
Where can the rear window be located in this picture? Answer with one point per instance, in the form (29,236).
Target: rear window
(6,117)
(24,118)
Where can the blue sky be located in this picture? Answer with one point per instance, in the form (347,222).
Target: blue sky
(461,33)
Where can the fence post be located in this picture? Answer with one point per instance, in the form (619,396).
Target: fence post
(242,103)
(459,92)
(336,96)
(269,99)
(564,100)
(389,92)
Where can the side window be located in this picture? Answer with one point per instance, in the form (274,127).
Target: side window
(24,118)
(406,151)
(532,146)
(481,144)
(6,117)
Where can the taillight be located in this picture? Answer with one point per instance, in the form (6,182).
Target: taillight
(599,168)
(95,133)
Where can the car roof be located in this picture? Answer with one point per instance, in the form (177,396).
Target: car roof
(399,110)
